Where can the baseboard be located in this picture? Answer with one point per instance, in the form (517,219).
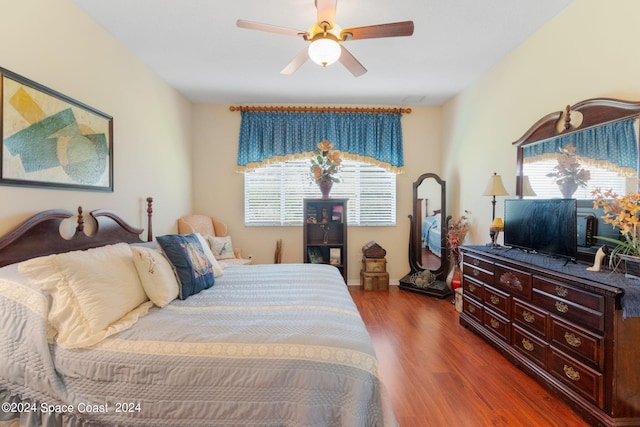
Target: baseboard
(392,282)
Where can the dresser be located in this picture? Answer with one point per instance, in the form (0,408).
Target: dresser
(561,324)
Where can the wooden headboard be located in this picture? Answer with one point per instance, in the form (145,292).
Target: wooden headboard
(40,234)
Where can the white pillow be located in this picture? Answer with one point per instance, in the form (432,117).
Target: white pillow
(217,268)
(221,247)
(156,274)
(95,293)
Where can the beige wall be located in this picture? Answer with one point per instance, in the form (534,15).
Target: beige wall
(218,190)
(55,44)
(184,155)
(587,51)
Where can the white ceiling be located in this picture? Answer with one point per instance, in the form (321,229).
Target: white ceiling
(197,48)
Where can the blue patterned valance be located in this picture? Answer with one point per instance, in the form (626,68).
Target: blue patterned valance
(613,147)
(271,136)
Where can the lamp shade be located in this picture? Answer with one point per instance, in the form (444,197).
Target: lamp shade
(497,224)
(495,187)
(324,51)
(526,187)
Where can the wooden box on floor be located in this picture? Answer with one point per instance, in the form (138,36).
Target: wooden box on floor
(374,281)
(374,265)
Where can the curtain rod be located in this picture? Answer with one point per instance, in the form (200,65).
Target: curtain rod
(323,109)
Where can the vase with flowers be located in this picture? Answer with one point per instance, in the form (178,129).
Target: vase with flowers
(325,165)
(622,212)
(568,173)
(456,232)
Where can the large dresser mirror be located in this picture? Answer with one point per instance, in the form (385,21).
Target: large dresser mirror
(428,253)
(604,134)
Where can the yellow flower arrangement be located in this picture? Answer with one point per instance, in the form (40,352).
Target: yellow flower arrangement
(326,163)
(624,213)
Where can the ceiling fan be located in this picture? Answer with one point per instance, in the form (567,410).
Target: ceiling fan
(326,37)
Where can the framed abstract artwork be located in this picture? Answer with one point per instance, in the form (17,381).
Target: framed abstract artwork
(50,140)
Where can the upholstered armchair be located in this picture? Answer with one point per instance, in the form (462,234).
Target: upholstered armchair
(216,234)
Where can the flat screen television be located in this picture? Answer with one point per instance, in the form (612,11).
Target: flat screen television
(547,226)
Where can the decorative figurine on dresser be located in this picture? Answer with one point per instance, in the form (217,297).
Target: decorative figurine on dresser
(374,276)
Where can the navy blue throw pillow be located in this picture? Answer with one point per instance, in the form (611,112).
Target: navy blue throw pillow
(192,266)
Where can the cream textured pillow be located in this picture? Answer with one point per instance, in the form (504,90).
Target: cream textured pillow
(156,274)
(95,293)
(217,268)
(221,247)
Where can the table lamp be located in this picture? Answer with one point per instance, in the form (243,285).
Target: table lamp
(527,190)
(494,188)
(496,227)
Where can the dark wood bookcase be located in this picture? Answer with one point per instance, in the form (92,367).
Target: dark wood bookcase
(325,233)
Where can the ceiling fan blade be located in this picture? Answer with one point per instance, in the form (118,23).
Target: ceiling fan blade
(394,29)
(326,11)
(241,23)
(351,63)
(296,63)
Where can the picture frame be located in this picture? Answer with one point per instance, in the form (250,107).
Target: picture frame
(50,140)
(335,256)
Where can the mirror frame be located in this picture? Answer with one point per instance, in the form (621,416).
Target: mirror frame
(595,112)
(438,288)
(415,252)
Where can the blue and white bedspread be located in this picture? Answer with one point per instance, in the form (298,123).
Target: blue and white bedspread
(267,345)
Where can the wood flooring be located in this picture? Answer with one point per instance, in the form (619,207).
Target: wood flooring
(438,373)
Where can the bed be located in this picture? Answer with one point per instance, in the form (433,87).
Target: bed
(432,233)
(264,345)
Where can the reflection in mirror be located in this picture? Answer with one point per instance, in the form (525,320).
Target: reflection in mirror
(580,157)
(428,217)
(428,254)
(601,145)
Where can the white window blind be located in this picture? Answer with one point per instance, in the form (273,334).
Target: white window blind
(546,188)
(273,193)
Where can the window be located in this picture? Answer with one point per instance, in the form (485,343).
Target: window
(273,193)
(546,188)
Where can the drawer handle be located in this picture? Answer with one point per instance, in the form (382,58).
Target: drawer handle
(571,373)
(511,280)
(472,309)
(572,340)
(494,323)
(472,288)
(561,291)
(475,272)
(527,345)
(476,262)
(528,317)
(562,307)
(494,299)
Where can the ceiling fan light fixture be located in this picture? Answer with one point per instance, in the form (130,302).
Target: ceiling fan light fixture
(324,51)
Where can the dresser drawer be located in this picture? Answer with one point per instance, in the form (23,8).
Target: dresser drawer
(531,346)
(472,308)
(531,318)
(477,272)
(581,378)
(581,297)
(578,341)
(569,310)
(473,288)
(512,280)
(474,261)
(497,324)
(498,301)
